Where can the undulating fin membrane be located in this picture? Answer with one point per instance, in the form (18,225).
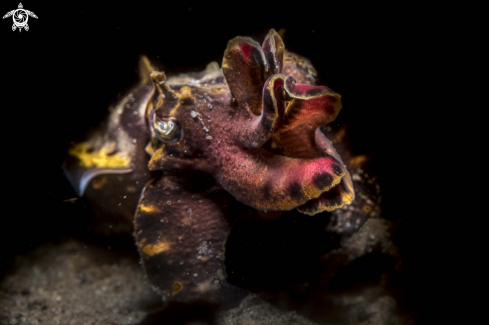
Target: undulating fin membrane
(109,168)
(181,231)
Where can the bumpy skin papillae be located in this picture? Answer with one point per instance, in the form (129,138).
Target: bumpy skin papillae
(254,131)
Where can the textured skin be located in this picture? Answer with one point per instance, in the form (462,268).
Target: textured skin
(182,240)
(216,146)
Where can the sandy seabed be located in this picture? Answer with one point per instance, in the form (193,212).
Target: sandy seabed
(72,282)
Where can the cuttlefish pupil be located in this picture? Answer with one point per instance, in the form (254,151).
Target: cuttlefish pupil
(164,128)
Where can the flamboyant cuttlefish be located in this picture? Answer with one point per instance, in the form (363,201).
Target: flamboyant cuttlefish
(185,153)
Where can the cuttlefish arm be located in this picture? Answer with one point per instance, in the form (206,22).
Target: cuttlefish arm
(288,113)
(181,230)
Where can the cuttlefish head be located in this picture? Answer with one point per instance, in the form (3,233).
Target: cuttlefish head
(254,128)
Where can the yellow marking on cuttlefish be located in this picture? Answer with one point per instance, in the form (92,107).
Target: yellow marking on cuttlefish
(152,250)
(322,94)
(149,208)
(150,150)
(100,158)
(218,89)
(286,202)
(186,220)
(185,91)
(346,199)
(310,190)
(98,183)
(158,155)
(144,68)
(358,161)
(184,94)
(312,71)
(272,93)
(174,109)
(313,192)
(159,79)
(177,286)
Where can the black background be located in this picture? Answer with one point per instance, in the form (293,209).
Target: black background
(59,77)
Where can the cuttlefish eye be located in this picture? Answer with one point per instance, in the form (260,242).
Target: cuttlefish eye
(168,130)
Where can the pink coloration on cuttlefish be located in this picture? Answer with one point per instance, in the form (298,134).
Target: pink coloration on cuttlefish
(251,130)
